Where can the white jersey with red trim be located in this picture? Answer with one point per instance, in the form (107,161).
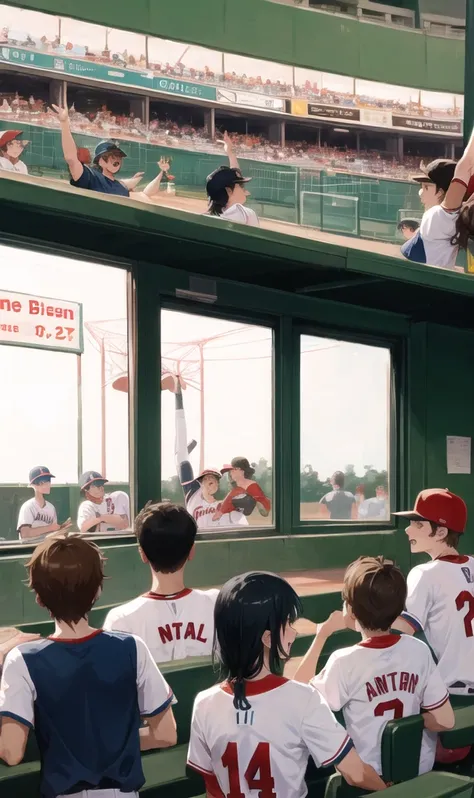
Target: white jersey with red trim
(173,627)
(203,511)
(264,750)
(440,602)
(116,503)
(380,679)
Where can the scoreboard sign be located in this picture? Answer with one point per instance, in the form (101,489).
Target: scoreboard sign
(35,321)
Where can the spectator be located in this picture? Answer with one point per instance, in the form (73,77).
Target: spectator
(377,507)
(408,228)
(226,192)
(11,150)
(338,503)
(82,689)
(174,621)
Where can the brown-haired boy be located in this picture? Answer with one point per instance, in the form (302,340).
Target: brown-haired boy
(383,677)
(82,689)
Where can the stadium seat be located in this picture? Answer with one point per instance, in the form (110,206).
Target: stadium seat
(401,744)
(429,785)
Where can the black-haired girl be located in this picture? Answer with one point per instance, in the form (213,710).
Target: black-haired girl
(252,735)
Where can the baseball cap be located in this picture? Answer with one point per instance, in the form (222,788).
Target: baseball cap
(441,507)
(40,472)
(223,177)
(9,135)
(108,146)
(91,477)
(213,472)
(237,462)
(440,172)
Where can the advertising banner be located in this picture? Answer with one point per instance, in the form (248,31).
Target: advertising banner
(248,98)
(35,321)
(334,112)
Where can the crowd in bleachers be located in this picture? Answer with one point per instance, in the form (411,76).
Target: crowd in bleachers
(84,690)
(167,132)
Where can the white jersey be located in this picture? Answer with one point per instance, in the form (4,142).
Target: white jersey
(173,627)
(437,228)
(19,167)
(240,213)
(267,747)
(203,511)
(440,602)
(116,503)
(33,515)
(380,679)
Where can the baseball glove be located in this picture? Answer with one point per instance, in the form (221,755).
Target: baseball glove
(244,503)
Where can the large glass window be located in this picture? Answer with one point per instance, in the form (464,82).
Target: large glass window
(64,401)
(217,420)
(345,431)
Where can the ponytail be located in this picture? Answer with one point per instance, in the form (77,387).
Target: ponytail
(216,208)
(240,699)
(464,227)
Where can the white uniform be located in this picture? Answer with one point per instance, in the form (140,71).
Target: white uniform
(116,503)
(440,602)
(240,213)
(173,627)
(378,680)
(19,167)
(32,514)
(265,750)
(203,511)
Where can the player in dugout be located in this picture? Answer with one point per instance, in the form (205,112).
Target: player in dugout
(101,512)
(107,163)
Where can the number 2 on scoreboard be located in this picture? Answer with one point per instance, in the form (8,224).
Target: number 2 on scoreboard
(258,774)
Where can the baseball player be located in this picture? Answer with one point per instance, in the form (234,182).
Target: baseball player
(408,228)
(101,512)
(174,621)
(200,492)
(226,192)
(11,150)
(245,493)
(83,690)
(37,516)
(383,677)
(339,503)
(440,597)
(108,159)
(256,730)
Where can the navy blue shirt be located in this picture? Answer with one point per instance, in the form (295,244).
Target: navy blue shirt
(84,699)
(94,180)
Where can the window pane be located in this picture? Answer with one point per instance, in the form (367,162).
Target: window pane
(345,430)
(66,410)
(217,420)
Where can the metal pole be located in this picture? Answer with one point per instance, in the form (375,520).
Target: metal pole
(201,362)
(103,470)
(79,416)
(469,72)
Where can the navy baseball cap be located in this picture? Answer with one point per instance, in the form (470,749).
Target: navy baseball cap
(441,172)
(91,478)
(40,474)
(108,146)
(223,177)
(413,223)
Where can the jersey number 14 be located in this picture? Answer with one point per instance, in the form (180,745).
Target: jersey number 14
(258,774)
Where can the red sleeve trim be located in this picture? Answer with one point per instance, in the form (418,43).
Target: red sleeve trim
(438,704)
(213,789)
(458,180)
(199,768)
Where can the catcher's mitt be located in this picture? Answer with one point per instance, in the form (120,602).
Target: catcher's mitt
(244,503)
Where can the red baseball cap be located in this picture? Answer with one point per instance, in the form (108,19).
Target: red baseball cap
(213,472)
(9,135)
(441,507)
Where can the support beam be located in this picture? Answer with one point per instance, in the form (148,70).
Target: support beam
(469,72)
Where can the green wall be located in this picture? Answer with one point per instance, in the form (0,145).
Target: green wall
(285,34)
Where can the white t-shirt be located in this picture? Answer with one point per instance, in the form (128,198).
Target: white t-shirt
(33,515)
(378,680)
(269,744)
(203,511)
(19,166)
(240,213)
(116,503)
(173,627)
(440,602)
(437,228)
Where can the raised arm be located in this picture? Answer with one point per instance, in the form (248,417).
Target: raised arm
(154,187)
(229,148)
(68,144)
(464,169)
(309,663)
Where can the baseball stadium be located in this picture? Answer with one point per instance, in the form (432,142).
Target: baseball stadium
(236,290)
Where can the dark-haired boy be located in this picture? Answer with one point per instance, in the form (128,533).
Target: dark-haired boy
(83,690)
(174,621)
(440,596)
(383,677)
